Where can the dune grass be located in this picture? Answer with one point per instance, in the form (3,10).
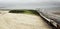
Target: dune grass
(34,12)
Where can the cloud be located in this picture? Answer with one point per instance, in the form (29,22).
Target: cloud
(28,3)
(25,1)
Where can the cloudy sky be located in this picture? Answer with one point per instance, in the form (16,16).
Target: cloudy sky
(28,4)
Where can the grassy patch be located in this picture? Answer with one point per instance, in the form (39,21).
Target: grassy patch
(24,11)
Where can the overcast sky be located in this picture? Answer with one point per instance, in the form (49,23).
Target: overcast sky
(28,4)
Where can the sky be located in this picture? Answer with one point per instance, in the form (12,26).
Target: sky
(28,4)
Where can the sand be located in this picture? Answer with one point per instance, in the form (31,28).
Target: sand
(21,21)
